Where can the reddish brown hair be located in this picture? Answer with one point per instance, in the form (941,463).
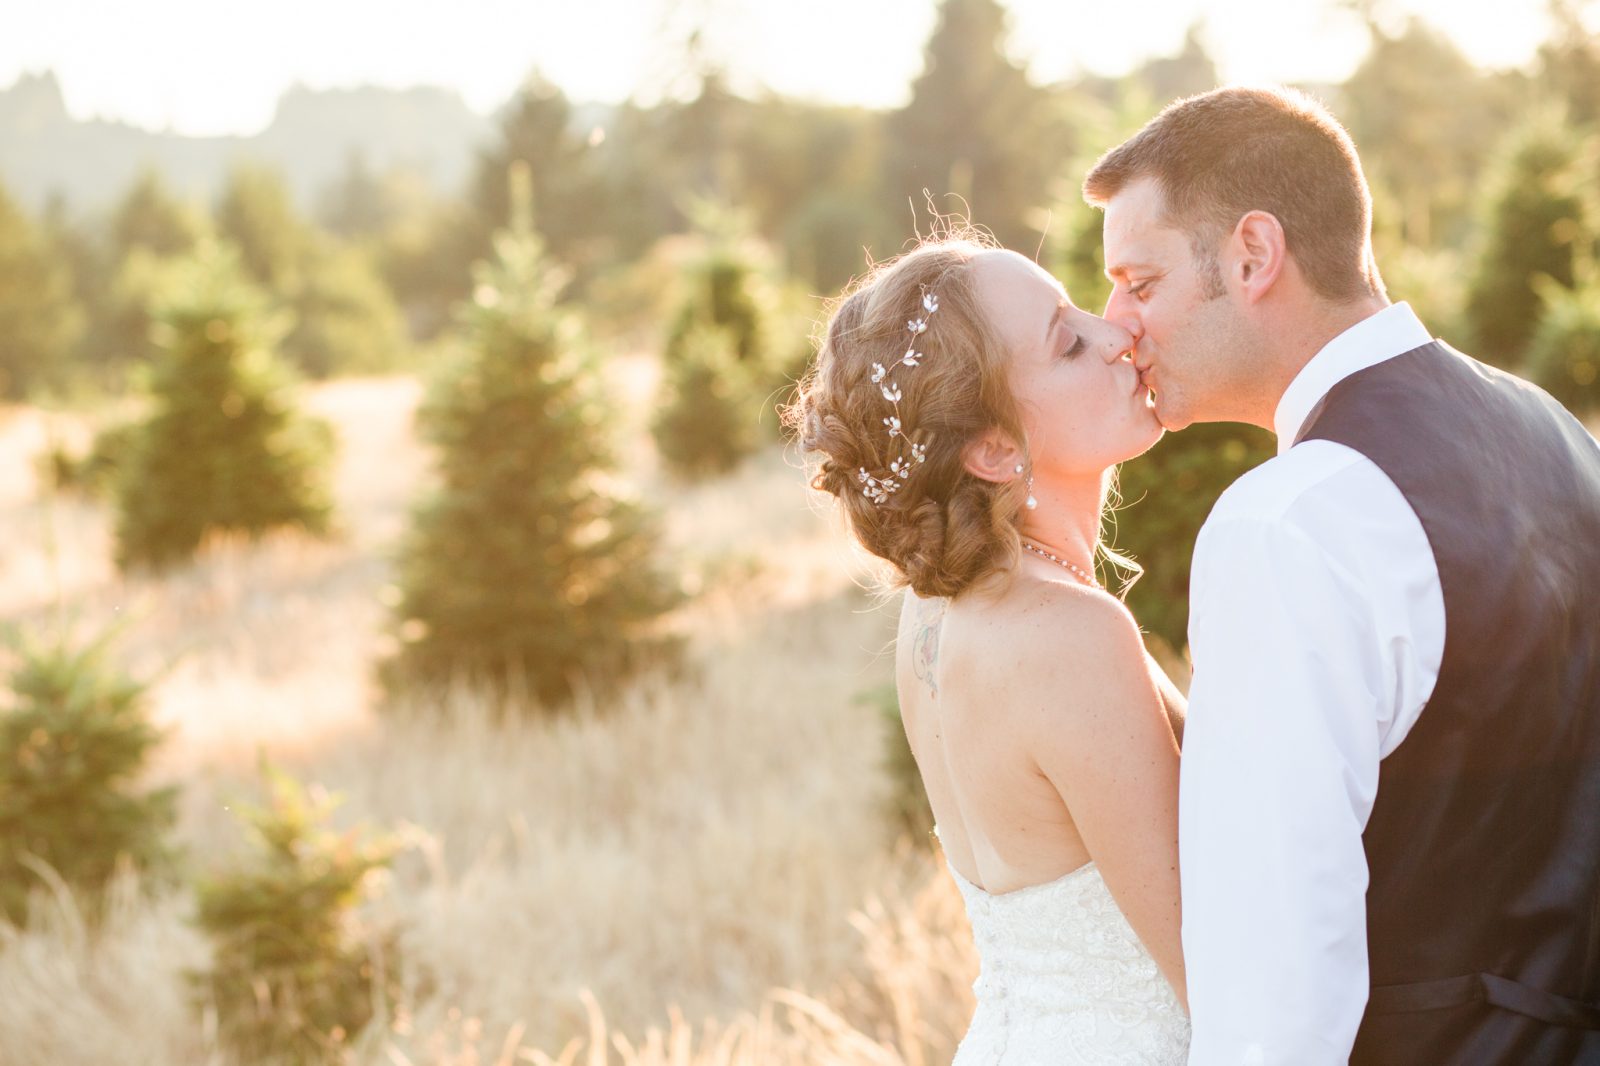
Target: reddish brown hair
(946,528)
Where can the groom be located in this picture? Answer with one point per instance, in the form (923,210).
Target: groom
(1390,805)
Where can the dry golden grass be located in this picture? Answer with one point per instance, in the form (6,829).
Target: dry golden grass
(698,871)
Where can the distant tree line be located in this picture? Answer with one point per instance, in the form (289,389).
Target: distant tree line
(706,227)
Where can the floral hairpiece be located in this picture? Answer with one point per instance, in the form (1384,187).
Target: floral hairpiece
(879,489)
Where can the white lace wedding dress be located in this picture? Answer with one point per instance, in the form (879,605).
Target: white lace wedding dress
(1065,980)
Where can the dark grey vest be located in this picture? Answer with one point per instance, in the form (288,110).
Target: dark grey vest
(1483,911)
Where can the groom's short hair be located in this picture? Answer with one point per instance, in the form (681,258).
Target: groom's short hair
(1221,154)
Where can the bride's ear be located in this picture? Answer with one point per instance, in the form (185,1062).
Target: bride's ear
(992,456)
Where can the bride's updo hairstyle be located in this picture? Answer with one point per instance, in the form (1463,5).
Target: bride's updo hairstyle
(943,528)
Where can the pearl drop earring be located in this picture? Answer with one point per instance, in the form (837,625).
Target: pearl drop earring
(1030,503)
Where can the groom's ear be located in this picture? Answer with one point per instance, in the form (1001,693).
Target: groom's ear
(992,456)
(1259,253)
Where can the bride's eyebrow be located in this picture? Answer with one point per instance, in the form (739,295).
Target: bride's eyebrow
(1054,318)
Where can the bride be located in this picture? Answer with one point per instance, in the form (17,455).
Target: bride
(969,418)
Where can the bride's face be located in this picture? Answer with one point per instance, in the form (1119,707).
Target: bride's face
(1082,406)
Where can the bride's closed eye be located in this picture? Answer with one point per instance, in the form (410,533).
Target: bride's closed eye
(1075,349)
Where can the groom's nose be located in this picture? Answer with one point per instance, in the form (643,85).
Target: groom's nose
(1123,313)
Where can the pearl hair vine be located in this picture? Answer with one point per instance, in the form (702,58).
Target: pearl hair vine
(877,488)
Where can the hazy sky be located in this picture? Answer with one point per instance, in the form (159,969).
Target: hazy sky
(217,66)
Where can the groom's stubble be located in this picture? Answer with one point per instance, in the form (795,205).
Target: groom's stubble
(1200,353)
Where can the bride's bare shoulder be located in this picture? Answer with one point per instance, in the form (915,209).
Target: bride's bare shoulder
(1074,644)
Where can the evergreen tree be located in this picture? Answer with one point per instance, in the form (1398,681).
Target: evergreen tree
(1534,224)
(292,979)
(1190,70)
(525,570)
(40,322)
(724,286)
(345,319)
(975,127)
(75,738)
(223,449)
(148,217)
(707,418)
(1168,493)
(537,132)
(148,228)
(1569,63)
(1426,120)
(357,205)
(256,214)
(1564,355)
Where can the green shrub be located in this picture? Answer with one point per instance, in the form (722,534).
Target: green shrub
(223,448)
(75,737)
(1564,357)
(291,979)
(41,322)
(724,291)
(93,473)
(1535,224)
(1168,493)
(526,569)
(708,416)
(346,320)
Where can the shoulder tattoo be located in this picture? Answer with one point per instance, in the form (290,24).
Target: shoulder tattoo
(926,625)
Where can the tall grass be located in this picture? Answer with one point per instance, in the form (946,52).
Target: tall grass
(699,870)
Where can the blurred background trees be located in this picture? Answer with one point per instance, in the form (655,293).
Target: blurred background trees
(222,448)
(527,571)
(75,742)
(708,224)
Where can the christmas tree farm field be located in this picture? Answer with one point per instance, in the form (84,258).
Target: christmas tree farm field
(698,867)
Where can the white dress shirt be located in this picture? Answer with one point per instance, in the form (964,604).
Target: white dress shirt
(1317,629)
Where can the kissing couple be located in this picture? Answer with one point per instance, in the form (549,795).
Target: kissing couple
(1381,842)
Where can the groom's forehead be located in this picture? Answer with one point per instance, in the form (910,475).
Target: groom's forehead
(1137,233)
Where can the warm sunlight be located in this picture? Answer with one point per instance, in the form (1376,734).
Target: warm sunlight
(203,68)
(642,533)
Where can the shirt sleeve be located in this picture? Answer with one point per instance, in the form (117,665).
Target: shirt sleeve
(1279,774)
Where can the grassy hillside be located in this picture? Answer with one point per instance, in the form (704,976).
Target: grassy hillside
(700,870)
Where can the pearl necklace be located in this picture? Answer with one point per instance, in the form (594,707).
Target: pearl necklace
(1076,570)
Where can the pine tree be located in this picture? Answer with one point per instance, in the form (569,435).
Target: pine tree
(722,359)
(1168,493)
(1425,119)
(976,127)
(537,132)
(1564,354)
(525,570)
(1569,62)
(257,215)
(1535,224)
(75,738)
(345,318)
(148,217)
(724,287)
(224,448)
(707,418)
(291,980)
(40,322)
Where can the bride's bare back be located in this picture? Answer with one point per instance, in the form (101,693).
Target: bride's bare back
(1042,732)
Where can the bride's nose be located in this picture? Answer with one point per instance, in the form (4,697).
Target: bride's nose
(1118,342)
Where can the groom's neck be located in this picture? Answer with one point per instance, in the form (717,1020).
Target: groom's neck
(1300,335)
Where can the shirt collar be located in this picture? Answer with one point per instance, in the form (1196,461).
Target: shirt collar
(1378,337)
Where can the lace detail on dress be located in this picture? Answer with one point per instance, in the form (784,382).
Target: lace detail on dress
(1064,979)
